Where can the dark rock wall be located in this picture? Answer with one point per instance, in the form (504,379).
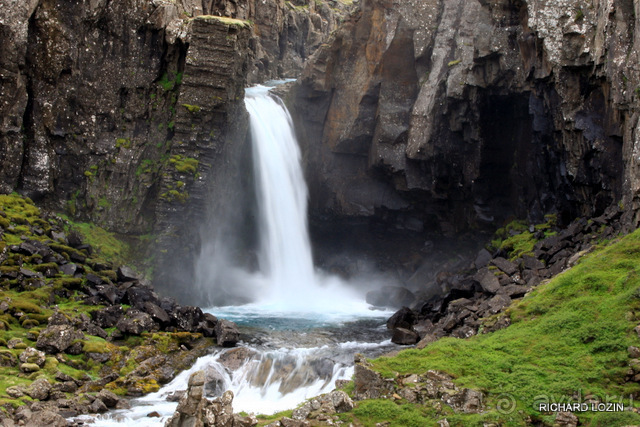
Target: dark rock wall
(461,114)
(128,112)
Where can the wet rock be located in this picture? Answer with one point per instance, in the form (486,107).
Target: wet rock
(57,338)
(98,407)
(237,357)
(227,333)
(194,408)
(403,318)
(404,336)
(214,382)
(390,297)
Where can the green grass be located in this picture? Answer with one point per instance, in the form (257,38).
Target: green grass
(108,245)
(523,241)
(568,336)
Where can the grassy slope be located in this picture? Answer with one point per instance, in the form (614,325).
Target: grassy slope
(567,337)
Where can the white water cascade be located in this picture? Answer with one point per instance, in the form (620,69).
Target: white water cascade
(298,313)
(285,253)
(287,281)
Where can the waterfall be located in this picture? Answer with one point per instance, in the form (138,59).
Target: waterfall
(285,250)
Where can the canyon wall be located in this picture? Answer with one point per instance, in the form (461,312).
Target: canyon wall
(453,115)
(127,112)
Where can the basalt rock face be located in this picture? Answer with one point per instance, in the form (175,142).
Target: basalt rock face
(117,111)
(462,113)
(128,112)
(285,33)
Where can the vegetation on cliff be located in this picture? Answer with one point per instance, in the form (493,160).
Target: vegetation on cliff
(72,322)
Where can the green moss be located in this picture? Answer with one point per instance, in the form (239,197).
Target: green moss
(570,335)
(184,164)
(104,203)
(228,21)
(123,143)
(169,82)
(108,246)
(97,345)
(192,108)
(66,251)
(175,195)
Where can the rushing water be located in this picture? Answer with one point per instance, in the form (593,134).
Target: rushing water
(304,326)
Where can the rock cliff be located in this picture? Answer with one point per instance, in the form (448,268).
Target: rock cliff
(127,112)
(458,114)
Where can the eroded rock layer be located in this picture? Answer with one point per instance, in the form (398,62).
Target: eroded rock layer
(457,114)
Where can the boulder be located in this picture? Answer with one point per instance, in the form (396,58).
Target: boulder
(108,317)
(126,274)
(368,384)
(31,355)
(403,318)
(187,318)
(39,389)
(98,407)
(404,336)
(156,313)
(137,296)
(488,281)
(47,418)
(135,322)
(236,357)
(483,258)
(57,338)
(390,297)
(341,401)
(227,333)
(505,265)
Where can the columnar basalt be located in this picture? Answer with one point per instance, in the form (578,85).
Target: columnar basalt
(461,114)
